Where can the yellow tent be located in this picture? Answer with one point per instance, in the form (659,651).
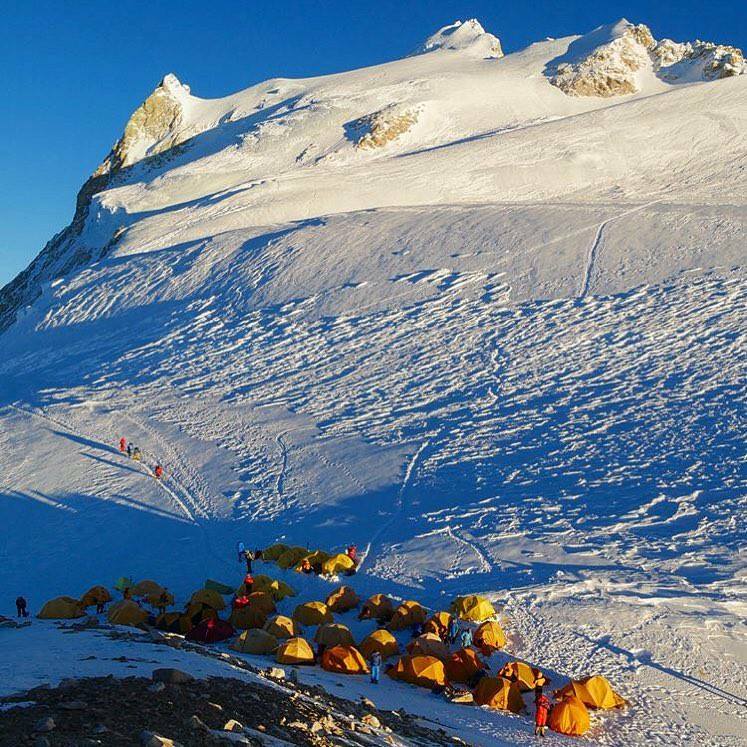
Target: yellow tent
(344,660)
(569,716)
(428,644)
(380,640)
(378,607)
(526,676)
(283,627)
(278,590)
(473,608)
(489,637)
(291,557)
(315,559)
(208,597)
(342,599)
(255,642)
(337,564)
(437,623)
(334,634)
(408,614)
(248,617)
(295,651)
(273,552)
(145,587)
(61,608)
(96,595)
(127,612)
(424,671)
(313,613)
(498,692)
(165,599)
(593,692)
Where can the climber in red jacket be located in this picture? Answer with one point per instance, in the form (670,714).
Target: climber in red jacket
(541,712)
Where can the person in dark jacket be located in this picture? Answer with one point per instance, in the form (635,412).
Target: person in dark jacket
(375,667)
(21,607)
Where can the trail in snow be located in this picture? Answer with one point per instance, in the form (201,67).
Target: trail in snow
(283,466)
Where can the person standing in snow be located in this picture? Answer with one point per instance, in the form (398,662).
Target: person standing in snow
(158,472)
(123,444)
(375,667)
(240,549)
(248,557)
(21,607)
(129,450)
(136,454)
(541,711)
(466,638)
(453,631)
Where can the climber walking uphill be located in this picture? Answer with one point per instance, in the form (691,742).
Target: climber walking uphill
(158,472)
(123,444)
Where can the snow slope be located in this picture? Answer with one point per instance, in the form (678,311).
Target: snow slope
(491,332)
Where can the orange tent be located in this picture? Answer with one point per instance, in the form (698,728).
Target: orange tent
(378,607)
(489,637)
(344,659)
(342,599)
(527,677)
(569,716)
(424,671)
(312,613)
(500,693)
(382,641)
(295,651)
(408,614)
(96,595)
(428,644)
(463,665)
(438,623)
(248,617)
(593,692)
(334,634)
(283,627)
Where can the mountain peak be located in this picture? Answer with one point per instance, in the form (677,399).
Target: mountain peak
(463,36)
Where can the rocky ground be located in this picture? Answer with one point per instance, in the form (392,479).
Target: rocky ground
(175,708)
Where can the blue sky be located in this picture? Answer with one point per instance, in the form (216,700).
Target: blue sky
(73,71)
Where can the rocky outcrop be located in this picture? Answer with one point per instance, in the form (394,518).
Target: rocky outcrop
(382,127)
(610,59)
(467,36)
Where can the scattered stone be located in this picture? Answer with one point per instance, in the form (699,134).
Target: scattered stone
(197,724)
(368,703)
(171,676)
(44,725)
(276,673)
(371,720)
(233,725)
(151,739)
(68,682)
(216,706)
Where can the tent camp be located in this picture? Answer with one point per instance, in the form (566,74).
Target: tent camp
(489,637)
(315,559)
(312,613)
(61,608)
(500,693)
(593,692)
(96,595)
(127,612)
(380,640)
(463,665)
(255,642)
(428,644)
(283,627)
(344,660)
(295,651)
(342,599)
(247,617)
(337,564)
(278,590)
(145,587)
(291,557)
(378,607)
(211,631)
(423,671)
(526,676)
(408,614)
(437,623)
(472,607)
(208,597)
(334,634)
(569,717)
(273,552)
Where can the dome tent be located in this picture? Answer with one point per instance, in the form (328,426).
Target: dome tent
(169,622)
(569,716)
(127,612)
(342,599)
(409,613)
(247,617)
(380,640)
(463,665)
(499,693)
(438,623)
(255,642)
(428,644)
(423,671)
(472,607)
(145,588)
(208,597)
(339,563)
(291,557)
(489,637)
(283,627)
(273,552)
(96,595)
(593,692)
(378,607)
(262,601)
(526,676)
(334,634)
(312,613)
(295,651)
(61,608)
(211,631)
(344,660)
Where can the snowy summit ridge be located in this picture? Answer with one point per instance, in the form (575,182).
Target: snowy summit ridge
(468,36)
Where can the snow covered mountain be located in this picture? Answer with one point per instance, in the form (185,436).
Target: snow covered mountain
(481,314)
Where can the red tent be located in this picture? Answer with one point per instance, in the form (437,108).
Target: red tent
(211,631)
